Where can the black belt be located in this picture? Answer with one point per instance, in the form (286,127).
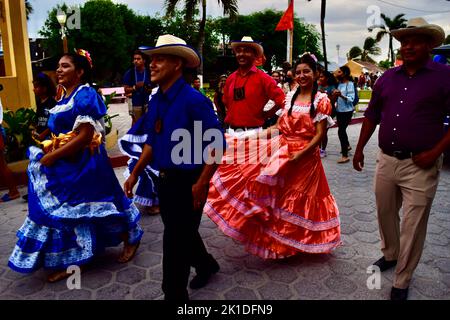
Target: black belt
(243,128)
(400,155)
(179,173)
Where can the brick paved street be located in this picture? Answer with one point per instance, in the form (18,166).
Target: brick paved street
(340,275)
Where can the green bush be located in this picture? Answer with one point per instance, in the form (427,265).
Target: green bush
(18,126)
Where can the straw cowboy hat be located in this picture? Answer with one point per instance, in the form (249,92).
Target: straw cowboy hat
(248,42)
(420,26)
(169,44)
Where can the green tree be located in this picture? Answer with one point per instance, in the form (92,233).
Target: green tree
(385,64)
(230,8)
(389,24)
(109,31)
(261,27)
(447,40)
(28,8)
(369,48)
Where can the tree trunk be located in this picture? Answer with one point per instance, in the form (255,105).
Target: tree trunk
(322,26)
(201,36)
(391,49)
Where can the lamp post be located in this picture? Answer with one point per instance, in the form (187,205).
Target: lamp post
(62,18)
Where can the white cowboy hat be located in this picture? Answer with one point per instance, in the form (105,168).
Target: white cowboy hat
(169,44)
(248,42)
(420,26)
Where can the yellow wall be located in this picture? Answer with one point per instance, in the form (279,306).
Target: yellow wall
(18,82)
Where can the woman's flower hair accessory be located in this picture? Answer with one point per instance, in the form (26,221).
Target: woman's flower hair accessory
(85,54)
(309,54)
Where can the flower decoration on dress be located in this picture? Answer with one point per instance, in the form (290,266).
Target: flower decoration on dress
(85,54)
(57,142)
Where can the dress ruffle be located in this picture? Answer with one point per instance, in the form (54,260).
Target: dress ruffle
(276,207)
(76,209)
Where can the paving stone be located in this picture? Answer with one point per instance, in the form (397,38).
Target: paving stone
(27,286)
(371,227)
(240,293)
(437,239)
(131,275)
(339,284)
(256,263)
(149,290)
(4,284)
(205,295)
(342,267)
(344,252)
(95,279)
(147,260)
(366,237)
(113,292)
(76,295)
(156,228)
(220,282)
(155,274)
(309,289)
(44,295)
(248,278)
(220,242)
(434,229)
(367,217)
(156,247)
(275,291)
(443,265)
(314,272)
(432,289)
(230,266)
(348,229)
(236,252)
(439,251)
(283,274)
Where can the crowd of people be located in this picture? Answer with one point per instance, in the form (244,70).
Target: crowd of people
(277,205)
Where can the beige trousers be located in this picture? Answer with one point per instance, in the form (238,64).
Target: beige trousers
(400,183)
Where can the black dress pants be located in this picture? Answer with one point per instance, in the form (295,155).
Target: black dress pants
(182,245)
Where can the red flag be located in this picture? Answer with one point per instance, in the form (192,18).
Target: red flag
(287,20)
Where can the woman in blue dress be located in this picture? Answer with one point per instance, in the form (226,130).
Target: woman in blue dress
(76,204)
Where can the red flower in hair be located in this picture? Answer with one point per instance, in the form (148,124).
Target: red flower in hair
(85,54)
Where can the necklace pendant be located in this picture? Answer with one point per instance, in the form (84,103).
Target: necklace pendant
(158,126)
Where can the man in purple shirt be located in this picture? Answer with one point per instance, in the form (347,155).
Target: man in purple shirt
(410,103)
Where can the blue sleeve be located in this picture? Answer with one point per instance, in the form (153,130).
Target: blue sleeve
(201,109)
(149,124)
(88,102)
(350,92)
(127,79)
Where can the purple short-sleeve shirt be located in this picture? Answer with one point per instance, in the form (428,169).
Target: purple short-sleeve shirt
(411,109)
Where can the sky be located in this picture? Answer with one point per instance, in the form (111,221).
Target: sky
(346,20)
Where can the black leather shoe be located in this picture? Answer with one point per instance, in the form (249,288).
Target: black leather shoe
(201,279)
(399,294)
(384,265)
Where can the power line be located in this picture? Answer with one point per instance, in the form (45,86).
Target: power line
(399,6)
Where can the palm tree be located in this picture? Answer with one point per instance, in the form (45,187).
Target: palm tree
(230,8)
(322,27)
(389,25)
(370,48)
(29,8)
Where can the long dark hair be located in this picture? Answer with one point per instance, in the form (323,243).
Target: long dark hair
(347,74)
(81,63)
(44,81)
(306,59)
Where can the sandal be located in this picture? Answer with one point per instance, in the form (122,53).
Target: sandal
(128,255)
(6,197)
(343,160)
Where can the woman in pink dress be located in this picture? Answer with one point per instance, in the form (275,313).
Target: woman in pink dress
(273,195)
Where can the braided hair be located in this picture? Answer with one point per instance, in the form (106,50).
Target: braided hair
(306,59)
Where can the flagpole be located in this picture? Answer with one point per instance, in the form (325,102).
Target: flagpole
(291,37)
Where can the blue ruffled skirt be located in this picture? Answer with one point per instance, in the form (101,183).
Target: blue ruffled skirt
(131,145)
(76,209)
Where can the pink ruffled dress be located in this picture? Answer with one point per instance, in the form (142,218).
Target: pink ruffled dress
(276,207)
